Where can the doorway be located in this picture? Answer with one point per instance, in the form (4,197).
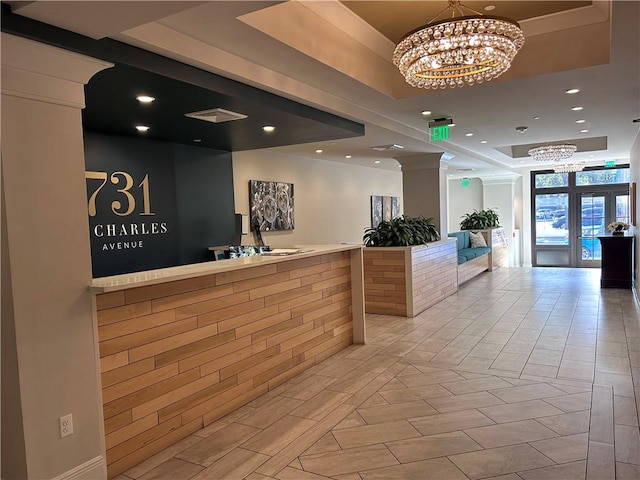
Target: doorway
(570,211)
(597,211)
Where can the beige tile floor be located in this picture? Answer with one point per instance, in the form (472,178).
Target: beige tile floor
(524,374)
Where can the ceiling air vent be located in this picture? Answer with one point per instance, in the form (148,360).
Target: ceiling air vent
(216,115)
(384,148)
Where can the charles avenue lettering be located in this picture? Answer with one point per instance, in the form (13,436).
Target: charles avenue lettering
(110,230)
(122,245)
(115,230)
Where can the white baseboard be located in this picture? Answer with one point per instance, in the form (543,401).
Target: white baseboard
(94,469)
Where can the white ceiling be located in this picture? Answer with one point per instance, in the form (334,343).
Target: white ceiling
(320,53)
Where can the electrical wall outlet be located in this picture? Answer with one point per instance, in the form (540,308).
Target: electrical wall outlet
(66,425)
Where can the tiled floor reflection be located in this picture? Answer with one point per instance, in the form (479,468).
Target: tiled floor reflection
(524,374)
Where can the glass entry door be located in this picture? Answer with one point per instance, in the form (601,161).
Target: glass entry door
(597,210)
(591,222)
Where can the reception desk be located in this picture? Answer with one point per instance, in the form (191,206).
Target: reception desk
(180,347)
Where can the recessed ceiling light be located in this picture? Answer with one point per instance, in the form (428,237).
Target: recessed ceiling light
(580,121)
(376,161)
(347,156)
(268,128)
(197,140)
(488,8)
(145,98)
(584,130)
(426,112)
(571,91)
(536,118)
(576,109)
(142,128)
(468,134)
(483,141)
(319,150)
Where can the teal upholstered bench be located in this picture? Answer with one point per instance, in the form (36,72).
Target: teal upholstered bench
(465,251)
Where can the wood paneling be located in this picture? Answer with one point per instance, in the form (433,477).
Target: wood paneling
(176,356)
(405,281)
(472,268)
(434,275)
(499,247)
(384,293)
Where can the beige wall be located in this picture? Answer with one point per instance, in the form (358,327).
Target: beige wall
(48,259)
(463,200)
(332,200)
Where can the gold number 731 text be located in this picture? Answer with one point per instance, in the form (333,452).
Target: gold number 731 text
(117,206)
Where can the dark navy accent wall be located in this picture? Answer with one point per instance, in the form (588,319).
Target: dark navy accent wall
(205,201)
(157,204)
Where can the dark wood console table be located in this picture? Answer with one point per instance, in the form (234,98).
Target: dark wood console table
(617,261)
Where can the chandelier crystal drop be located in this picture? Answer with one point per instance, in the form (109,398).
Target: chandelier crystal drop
(552,153)
(569,167)
(460,51)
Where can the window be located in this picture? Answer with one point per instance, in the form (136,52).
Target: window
(603,177)
(551,180)
(551,219)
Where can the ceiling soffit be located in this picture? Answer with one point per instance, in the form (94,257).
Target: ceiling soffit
(334,35)
(591,144)
(111,105)
(99,19)
(344,46)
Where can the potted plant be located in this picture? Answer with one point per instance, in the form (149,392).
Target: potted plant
(480,220)
(402,231)
(618,228)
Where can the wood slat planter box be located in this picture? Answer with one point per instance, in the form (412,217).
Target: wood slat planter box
(405,281)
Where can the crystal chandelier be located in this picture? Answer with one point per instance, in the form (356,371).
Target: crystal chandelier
(569,167)
(462,50)
(552,153)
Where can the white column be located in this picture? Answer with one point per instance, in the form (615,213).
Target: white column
(424,188)
(47,265)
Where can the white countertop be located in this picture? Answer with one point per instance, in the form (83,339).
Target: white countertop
(152,277)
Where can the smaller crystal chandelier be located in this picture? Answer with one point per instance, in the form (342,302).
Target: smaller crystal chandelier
(462,50)
(569,167)
(552,153)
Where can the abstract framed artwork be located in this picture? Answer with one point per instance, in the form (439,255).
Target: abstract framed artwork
(384,208)
(271,205)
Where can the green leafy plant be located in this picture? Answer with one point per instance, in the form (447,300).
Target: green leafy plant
(402,231)
(480,219)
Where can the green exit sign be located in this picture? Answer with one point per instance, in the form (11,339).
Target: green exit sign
(465,182)
(440,133)
(609,163)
